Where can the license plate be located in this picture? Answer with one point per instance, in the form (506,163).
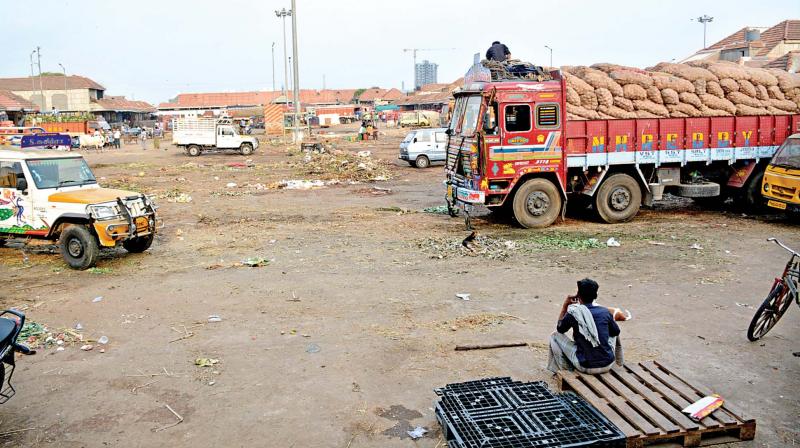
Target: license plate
(472,196)
(776,204)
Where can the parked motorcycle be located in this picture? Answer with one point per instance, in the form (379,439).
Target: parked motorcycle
(11,323)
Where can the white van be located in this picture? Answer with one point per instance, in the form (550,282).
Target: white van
(423,146)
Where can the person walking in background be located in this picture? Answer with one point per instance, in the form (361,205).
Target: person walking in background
(361,131)
(143,138)
(117,136)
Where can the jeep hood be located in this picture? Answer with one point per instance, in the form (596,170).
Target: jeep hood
(90,195)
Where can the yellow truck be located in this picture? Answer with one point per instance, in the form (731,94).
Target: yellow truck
(781,185)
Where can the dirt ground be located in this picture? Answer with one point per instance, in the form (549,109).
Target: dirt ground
(341,338)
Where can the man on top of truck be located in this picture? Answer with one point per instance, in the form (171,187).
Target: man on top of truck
(498,52)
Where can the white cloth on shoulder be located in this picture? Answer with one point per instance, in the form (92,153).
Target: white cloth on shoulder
(586,325)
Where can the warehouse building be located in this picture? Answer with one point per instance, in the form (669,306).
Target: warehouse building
(774,47)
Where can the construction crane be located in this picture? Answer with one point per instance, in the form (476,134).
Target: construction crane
(414,55)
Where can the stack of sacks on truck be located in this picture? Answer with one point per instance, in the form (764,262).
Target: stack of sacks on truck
(696,89)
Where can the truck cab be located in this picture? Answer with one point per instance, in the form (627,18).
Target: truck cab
(56,197)
(781,185)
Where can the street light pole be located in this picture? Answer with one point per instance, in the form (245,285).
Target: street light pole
(41,86)
(66,95)
(282,14)
(33,83)
(298,135)
(704,19)
(551,55)
(273,67)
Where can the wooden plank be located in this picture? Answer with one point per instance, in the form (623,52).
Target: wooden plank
(686,391)
(569,379)
(671,396)
(621,405)
(637,402)
(657,401)
(705,390)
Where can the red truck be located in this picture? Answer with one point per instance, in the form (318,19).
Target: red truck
(512,149)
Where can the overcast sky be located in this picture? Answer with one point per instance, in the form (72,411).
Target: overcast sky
(153,50)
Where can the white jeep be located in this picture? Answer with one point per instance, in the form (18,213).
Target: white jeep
(55,196)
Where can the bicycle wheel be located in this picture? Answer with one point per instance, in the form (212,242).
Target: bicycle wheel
(769,313)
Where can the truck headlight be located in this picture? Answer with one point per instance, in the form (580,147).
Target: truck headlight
(766,188)
(103,212)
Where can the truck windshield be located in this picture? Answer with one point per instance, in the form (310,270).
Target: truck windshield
(471,114)
(788,155)
(66,172)
(458,112)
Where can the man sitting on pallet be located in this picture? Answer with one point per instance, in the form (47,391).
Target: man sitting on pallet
(596,342)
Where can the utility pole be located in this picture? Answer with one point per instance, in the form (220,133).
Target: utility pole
(298,132)
(704,19)
(273,67)
(282,13)
(551,55)
(289,85)
(41,86)
(66,95)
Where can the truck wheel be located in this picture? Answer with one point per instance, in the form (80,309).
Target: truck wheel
(422,162)
(750,197)
(247,149)
(79,247)
(193,150)
(138,244)
(618,199)
(536,204)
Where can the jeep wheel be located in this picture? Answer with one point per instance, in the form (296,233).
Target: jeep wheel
(79,247)
(138,244)
(422,162)
(246,149)
(193,150)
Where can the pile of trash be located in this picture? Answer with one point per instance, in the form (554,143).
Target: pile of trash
(694,89)
(342,166)
(481,246)
(38,336)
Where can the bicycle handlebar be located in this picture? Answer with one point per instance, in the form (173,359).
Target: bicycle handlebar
(785,247)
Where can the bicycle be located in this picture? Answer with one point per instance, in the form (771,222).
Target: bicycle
(780,297)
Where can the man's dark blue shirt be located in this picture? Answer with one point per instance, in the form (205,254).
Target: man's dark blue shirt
(592,357)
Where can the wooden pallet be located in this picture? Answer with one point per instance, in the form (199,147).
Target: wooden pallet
(645,402)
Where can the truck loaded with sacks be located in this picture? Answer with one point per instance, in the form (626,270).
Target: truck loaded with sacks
(525,140)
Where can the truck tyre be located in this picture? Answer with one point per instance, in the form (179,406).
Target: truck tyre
(750,198)
(422,162)
(138,244)
(618,199)
(246,149)
(79,247)
(193,150)
(704,190)
(536,204)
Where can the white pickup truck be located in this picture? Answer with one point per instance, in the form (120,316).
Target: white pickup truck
(198,135)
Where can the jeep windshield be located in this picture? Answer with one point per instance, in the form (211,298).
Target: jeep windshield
(55,173)
(788,155)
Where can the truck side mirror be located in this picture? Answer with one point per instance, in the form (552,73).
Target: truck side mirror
(22,184)
(449,132)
